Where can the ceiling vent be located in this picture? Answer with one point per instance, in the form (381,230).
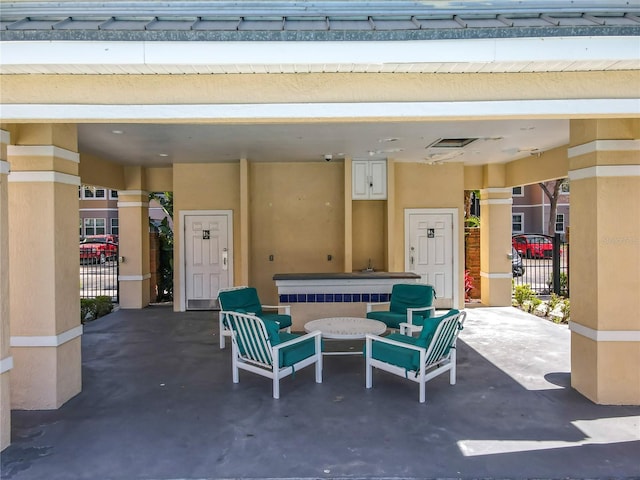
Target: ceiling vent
(452,142)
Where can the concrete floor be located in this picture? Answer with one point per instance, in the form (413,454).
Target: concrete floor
(158,403)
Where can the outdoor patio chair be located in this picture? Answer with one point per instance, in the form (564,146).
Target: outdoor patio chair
(410,304)
(260,347)
(245,300)
(418,359)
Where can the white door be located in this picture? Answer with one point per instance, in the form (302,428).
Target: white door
(207,259)
(430,252)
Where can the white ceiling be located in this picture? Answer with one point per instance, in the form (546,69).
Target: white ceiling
(498,141)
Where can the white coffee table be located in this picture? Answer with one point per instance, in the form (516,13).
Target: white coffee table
(345,328)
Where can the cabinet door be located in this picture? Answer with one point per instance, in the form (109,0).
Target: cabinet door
(378,179)
(360,180)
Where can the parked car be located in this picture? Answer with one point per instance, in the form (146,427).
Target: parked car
(100,238)
(533,246)
(516,263)
(97,251)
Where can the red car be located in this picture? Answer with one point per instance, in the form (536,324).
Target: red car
(533,246)
(97,251)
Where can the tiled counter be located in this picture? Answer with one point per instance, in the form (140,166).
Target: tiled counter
(319,295)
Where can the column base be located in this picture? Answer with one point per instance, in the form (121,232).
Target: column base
(44,378)
(592,364)
(134,294)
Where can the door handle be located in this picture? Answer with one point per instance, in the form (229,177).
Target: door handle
(225,256)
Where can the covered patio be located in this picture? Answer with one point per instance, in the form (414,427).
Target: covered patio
(158,403)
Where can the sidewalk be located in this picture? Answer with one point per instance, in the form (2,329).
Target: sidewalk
(158,403)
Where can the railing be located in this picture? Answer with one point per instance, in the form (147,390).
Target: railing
(548,275)
(99,277)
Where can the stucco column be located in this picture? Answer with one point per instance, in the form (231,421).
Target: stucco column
(604,170)
(43,250)
(495,241)
(133,220)
(6,360)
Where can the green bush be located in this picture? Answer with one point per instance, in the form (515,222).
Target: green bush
(92,308)
(564,283)
(524,293)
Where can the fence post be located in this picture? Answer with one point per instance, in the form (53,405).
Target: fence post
(556,264)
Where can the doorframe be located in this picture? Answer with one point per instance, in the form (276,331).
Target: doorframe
(454,212)
(181,253)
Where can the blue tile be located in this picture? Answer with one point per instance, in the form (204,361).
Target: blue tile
(311,298)
(301,297)
(328,297)
(375,297)
(338,297)
(355,297)
(347,297)
(283,299)
(384,297)
(320,297)
(366,297)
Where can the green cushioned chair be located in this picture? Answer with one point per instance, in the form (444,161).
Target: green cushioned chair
(245,300)
(260,347)
(410,304)
(418,359)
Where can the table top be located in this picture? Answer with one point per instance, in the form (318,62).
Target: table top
(345,327)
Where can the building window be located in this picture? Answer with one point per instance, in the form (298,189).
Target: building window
(100,193)
(87,192)
(560,223)
(517,192)
(517,222)
(564,187)
(114,226)
(113,194)
(94,226)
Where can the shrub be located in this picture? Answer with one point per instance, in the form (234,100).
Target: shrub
(92,308)
(524,293)
(564,283)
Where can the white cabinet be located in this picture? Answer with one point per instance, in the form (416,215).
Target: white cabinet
(369,180)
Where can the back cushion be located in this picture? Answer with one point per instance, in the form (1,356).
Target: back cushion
(405,296)
(244,300)
(430,325)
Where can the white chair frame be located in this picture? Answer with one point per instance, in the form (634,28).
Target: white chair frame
(408,327)
(433,360)
(260,356)
(226,332)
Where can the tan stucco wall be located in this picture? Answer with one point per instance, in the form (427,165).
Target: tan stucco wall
(549,165)
(325,87)
(198,186)
(296,215)
(369,234)
(159,179)
(5,352)
(419,185)
(99,172)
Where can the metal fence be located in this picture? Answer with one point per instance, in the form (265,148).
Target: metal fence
(547,275)
(99,277)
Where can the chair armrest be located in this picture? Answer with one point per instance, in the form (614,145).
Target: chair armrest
(376,338)
(287,308)
(417,309)
(374,304)
(302,338)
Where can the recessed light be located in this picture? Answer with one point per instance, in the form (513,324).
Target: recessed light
(163,154)
(117,132)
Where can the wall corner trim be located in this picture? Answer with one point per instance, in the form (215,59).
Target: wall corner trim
(48,340)
(6,364)
(605,335)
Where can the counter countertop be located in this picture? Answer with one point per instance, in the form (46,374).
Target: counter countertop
(345,276)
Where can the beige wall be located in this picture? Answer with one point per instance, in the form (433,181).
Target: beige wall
(310,87)
(199,186)
(5,352)
(419,185)
(297,215)
(369,229)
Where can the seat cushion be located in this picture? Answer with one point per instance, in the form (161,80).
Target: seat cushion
(402,357)
(295,353)
(283,320)
(243,300)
